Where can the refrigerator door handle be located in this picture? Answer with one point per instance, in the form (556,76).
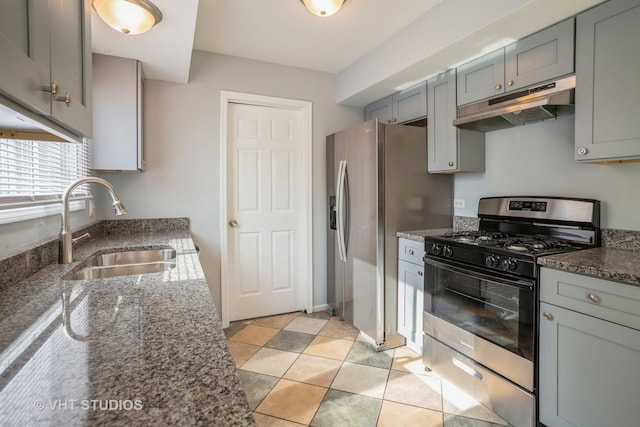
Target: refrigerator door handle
(342,252)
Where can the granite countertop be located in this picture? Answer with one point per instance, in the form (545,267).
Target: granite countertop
(419,235)
(605,263)
(68,357)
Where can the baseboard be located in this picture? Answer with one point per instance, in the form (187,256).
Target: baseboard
(321,307)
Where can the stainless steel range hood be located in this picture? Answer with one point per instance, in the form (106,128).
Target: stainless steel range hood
(536,104)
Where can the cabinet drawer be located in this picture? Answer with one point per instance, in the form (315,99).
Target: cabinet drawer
(411,251)
(612,301)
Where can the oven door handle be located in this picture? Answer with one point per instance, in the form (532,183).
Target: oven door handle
(523,284)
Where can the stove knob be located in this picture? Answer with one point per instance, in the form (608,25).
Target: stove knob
(492,261)
(510,264)
(436,249)
(447,251)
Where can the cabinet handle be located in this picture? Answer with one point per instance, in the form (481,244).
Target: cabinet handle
(582,151)
(548,316)
(498,86)
(594,298)
(420,273)
(53,89)
(510,83)
(450,163)
(410,251)
(66,98)
(394,120)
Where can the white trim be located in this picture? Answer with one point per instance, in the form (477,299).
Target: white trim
(317,308)
(33,212)
(305,108)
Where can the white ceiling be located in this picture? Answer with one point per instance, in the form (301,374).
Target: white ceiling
(376,39)
(279,31)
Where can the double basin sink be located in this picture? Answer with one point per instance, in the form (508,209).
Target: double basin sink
(124,262)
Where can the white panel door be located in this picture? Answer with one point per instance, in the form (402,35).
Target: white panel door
(265,211)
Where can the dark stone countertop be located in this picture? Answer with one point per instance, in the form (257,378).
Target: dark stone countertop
(162,360)
(419,235)
(605,263)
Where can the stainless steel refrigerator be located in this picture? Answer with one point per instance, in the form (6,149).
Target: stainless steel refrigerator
(377,185)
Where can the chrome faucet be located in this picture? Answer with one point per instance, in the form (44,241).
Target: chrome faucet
(65,243)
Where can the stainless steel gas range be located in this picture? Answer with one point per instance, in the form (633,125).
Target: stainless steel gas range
(481,296)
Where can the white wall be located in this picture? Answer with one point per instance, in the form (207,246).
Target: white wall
(182,131)
(538,159)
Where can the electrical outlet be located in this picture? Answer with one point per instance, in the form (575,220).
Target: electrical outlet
(458,203)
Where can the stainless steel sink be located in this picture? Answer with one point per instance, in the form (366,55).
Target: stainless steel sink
(124,263)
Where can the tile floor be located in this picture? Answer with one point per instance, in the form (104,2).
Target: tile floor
(312,370)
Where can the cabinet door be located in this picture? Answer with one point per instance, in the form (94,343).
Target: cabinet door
(381,110)
(543,56)
(410,104)
(410,303)
(607,70)
(117,96)
(24,48)
(481,78)
(71,63)
(450,149)
(589,374)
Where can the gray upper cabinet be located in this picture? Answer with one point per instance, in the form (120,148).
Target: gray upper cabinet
(450,150)
(401,107)
(118,108)
(481,78)
(607,90)
(24,47)
(45,46)
(542,56)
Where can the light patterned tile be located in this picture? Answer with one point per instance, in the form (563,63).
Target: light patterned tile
(242,352)
(256,335)
(332,348)
(314,370)
(395,414)
(305,325)
(417,390)
(267,421)
(269,361)
(337,328)
(365,354)
(292,401)
(256,386)
(342,409)
(361,379)
(407,360)
(277,322)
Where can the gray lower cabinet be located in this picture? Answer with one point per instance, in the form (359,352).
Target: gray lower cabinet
(410,292)
(607,93)
(450,149)
(45,46)
(401,107)
(589,351)
(118,143)
(542,56)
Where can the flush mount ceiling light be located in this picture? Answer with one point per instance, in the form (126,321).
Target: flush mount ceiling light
(128,16)
(323,7)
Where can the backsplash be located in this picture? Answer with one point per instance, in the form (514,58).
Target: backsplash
(17,267)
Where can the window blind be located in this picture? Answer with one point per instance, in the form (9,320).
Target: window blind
(34,173)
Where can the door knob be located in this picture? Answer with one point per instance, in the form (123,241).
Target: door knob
(233,223)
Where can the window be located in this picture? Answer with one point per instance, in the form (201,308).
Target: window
(33,176)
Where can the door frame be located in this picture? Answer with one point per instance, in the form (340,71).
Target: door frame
(305,108)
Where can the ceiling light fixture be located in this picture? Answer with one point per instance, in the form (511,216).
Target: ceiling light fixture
(323,7)
(128,16)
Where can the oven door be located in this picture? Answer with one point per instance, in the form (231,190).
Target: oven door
(486,316)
